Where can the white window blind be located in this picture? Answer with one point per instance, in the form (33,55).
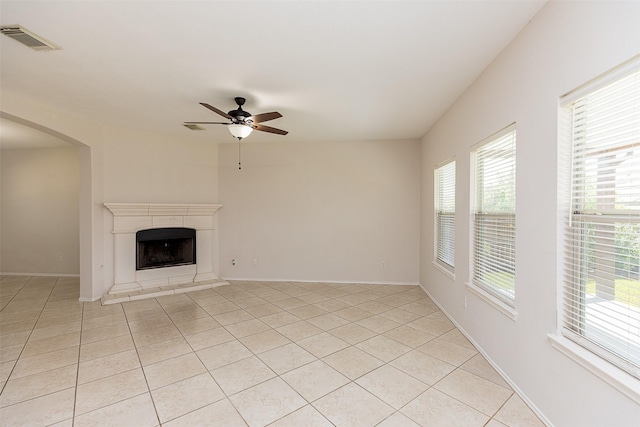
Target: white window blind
(602,284)
(494,215)
(445,210)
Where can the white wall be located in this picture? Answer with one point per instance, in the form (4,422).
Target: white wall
(151,167)
(326,211)
(565,45)
(121,165)
(39,211)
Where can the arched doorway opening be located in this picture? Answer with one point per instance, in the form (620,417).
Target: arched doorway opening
(31,131)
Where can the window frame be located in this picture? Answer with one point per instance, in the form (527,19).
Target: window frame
(577,218)
(574,343)
(440,173)
(495,297)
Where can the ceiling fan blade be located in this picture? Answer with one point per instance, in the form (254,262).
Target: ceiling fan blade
(215,110)
(207,123)
(269,129)
(264,117)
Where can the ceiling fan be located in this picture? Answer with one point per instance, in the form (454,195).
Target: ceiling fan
(241,123)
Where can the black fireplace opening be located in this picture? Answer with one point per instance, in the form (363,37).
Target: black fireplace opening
(165,247)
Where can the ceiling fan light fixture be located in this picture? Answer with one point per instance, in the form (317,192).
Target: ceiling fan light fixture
(240,131)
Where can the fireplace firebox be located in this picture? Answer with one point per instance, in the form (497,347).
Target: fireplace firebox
(165,247)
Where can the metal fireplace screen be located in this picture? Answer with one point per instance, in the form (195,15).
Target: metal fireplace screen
(165,247)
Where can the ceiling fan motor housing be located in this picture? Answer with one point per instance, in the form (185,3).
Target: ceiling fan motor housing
(240,115)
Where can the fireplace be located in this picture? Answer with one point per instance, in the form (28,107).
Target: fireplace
(165,247)
(177,244)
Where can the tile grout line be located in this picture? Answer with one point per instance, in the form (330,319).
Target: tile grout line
(112,354)
(228,397)
(398,304)
(195,353)
(14,295)
(144,374)
(257,355)
(41,311)
(30,332)
(351,381)
(277,375)
(75,391)
(350,322)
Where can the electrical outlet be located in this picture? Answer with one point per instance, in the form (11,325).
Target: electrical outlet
(254,261)
(234,262)
(384,264)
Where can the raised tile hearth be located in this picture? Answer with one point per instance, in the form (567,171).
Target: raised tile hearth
(115,298)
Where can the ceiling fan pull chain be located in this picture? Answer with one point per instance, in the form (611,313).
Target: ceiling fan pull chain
(239,159)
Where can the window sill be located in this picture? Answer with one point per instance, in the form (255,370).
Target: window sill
(503,308)
(442,269)
(617,378)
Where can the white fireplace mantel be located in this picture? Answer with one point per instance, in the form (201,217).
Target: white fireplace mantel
(129,218)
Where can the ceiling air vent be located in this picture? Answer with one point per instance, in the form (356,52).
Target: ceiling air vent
(193,127)
(28,38)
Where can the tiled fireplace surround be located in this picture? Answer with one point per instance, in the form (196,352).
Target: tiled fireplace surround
(129,218)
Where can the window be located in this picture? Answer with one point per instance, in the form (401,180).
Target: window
(445,210)
(494,215)
(601,303)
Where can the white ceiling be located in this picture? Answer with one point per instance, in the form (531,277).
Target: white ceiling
(336,70)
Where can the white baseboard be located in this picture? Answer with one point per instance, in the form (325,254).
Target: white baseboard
(39,274)
(504,376)
(254,279)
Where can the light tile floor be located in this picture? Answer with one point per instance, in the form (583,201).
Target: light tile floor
(250,353)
